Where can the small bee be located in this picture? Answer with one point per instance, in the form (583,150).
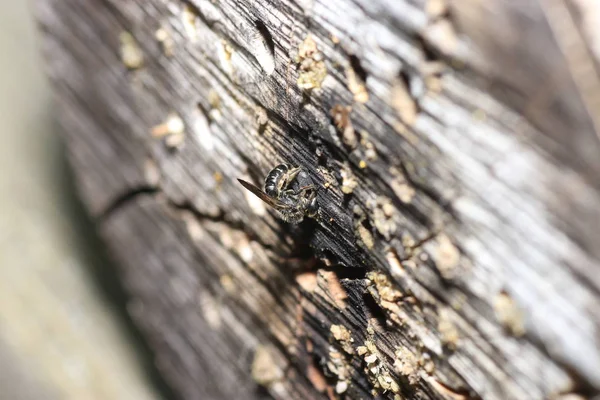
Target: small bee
(289,191)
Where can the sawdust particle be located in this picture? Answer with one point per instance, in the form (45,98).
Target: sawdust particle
(509,314)
(307,281)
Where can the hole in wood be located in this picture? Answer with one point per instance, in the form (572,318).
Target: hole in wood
(374,310)
(357,67)
(262,47)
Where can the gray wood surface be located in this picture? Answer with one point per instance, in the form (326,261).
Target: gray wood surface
(456,252)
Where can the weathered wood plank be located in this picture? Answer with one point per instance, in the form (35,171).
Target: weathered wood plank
(458,224)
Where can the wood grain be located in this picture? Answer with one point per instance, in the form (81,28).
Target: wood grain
(458,228)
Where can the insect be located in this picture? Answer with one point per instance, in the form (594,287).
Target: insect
(290,191)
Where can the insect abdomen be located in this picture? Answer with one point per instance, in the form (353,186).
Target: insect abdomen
(272,180)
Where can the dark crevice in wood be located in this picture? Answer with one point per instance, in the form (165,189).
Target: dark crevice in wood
(374,310)
(126,198)
(405,76)
(236,225)
(264,31)
(430,53)
(134,195)
(204,113)
(343,272)
(357,67)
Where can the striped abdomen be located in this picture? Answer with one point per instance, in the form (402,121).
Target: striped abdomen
(273,180)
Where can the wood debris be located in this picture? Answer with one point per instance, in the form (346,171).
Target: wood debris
(349,182)
(376,371)
(509,314)
(343,124)
(265,371)
(357,86)
(447,329)
(403,102)
(165,38)
(406,364)
(311,65)
(131,53)
(172,130)
(343,336)
(446,257)
(338,365)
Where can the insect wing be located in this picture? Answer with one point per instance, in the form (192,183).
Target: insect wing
(263,196)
